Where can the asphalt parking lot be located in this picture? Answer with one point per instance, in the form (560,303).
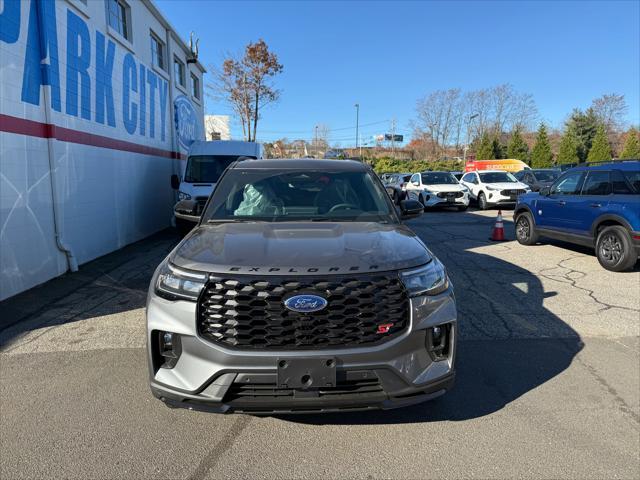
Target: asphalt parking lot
(548,379)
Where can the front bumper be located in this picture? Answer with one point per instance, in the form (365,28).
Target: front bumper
(210,377)
(432,200)
(635,239)
(496,198)
(187,218)
(300,401)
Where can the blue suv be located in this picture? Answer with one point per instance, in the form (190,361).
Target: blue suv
(597,206)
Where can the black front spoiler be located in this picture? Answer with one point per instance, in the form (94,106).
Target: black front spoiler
(376,401)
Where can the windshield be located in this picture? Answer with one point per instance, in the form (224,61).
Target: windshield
(497,177)
(546,175)
(438,178)
(266,195)
(208,168)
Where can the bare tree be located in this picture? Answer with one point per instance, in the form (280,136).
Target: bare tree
(321,136)
(437,120)
(611,110)
(229,85)
(246,84)
(443,117)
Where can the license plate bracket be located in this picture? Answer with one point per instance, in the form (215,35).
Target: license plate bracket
(306,373)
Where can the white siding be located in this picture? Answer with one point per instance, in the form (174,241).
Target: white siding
(108,195)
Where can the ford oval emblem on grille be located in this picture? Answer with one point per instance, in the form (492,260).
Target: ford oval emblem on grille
(305,303)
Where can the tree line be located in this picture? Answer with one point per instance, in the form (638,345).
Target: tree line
(497,123)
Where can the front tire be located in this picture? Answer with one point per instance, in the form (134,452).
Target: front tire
(614,249)
(525,229)
(482,201)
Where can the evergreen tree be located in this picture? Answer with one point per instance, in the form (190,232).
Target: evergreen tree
(485,149)
(517,147)
(584,126)
(600,149)
(568,150)
(497,149)
(631,145)
(541,155)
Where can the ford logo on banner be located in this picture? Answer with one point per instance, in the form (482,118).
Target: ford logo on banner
(187,124)
(305,303)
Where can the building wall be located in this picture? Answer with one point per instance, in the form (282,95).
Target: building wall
(217,125)
(113,141)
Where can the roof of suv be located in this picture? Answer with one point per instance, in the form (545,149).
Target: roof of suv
(302,164)
(621,165)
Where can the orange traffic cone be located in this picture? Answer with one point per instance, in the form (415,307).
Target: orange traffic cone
(497,235)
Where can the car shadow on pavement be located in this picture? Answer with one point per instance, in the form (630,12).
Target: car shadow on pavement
(572,247)
(509,343)
(112,284)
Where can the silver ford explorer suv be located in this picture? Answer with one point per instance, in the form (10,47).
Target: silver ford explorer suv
(300,290)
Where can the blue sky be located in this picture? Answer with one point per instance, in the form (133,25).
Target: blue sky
(386,55)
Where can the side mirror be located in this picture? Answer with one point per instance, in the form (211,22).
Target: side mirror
(545,191)
(187,207)
(417,184)
(175,181)
(410,209)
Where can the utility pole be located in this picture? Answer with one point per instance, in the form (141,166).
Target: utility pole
(357,105)
(316,141)
(466,146)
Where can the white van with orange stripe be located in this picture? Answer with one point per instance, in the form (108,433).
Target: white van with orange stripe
(507,165)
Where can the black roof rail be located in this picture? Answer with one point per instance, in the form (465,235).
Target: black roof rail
(600,162)
(614,160)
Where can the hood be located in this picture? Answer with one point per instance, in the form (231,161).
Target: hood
(508,185)
(446,187)
(300,248)
(197,189)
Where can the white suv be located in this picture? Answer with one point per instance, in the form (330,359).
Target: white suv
(437,189)
(493,187)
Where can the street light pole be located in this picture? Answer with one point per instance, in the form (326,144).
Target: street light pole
(357,105)
(466,146)
(316,140)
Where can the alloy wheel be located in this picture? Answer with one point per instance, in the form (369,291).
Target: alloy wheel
(523,229)
(611,248)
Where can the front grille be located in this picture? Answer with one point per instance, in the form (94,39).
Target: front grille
(512,192)
(248,312)
(450,194)
(200,203)
(239,392)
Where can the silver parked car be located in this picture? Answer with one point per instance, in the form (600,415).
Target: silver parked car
(300,290)
(396,185)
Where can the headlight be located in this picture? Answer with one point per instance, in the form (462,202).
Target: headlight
(174,283)
(428,280)
(493,189)
(183,196)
